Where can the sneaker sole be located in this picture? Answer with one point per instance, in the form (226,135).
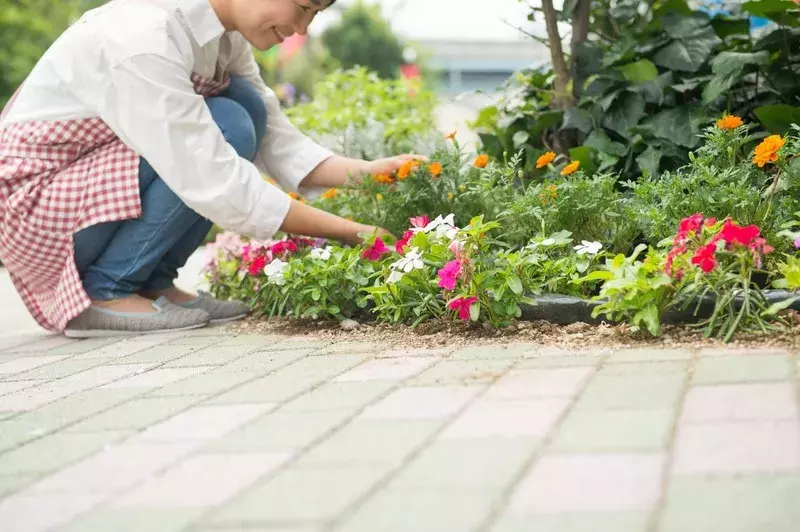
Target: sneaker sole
(105,333)
(228,320)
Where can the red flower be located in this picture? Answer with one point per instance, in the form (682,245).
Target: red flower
(282,247)
(689,225)
(734,234)
(462,304)
(674,252)
(375,251)
(704,257)
(400,244)
(449,274)
(419,221)
(257,266)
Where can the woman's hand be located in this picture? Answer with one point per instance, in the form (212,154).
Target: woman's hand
(390,165)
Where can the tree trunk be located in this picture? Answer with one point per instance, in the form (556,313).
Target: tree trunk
(580,32)
(563,98)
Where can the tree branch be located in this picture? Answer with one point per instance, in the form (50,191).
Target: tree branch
(580,32)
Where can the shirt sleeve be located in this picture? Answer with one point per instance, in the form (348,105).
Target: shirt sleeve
(151,105)
(285,154)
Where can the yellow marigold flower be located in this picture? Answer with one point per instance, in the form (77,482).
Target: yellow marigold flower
(383,179)
(379,196)
(481,161)
(571,168)
(545,159)
(729,122)
(767,151)
(452,135)
(435,169)
(329,194)
(450,196)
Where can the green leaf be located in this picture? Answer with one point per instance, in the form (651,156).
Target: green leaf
(650,316)
(783,12)
(641,71)
(580,119)
(778,118)
(625,113)
(654,91)
(584,155)
(676,125)
(779,306)
(520,138)
(514,284)
(650,160)
(688,55)
(683,26)
(728,68)
(603,143)
(726,27)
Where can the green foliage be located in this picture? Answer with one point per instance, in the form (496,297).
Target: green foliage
(648,81)
(364,38)
(354,110)
(634,291)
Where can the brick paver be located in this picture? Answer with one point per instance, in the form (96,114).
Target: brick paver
(211,431)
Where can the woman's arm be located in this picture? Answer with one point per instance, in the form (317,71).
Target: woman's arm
(303,219)
(337,171)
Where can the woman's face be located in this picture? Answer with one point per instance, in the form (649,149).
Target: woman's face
(265,23)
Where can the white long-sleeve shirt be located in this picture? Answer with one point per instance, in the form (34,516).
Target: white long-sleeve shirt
(129,63)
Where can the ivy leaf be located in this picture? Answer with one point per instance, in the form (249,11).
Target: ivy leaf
(641,71)
(778,118)
(689,54)
(728,68)
(649,160)
(625,113)
(600,141)
(580,119)
(676,125)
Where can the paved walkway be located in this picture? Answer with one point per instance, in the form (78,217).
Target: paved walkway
(211,431)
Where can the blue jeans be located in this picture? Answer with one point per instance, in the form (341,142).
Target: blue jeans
(118,259)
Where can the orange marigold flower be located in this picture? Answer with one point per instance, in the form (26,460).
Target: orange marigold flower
(767,151)
(571,168)
(545,159)
(435,169)
(383,179)
(481,161)
(405,170)
(329,194)
(729,122)
(452,135)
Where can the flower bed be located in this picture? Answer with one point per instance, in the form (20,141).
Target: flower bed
(476,243)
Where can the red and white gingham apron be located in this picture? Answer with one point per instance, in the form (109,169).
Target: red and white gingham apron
(56,178)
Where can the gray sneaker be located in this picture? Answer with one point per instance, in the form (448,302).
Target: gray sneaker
(99,322)
(219,310)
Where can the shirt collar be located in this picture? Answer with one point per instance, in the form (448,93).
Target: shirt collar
(202,20)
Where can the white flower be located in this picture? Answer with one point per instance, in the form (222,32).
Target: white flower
(320,253)
(275,270)
(443,226)
(592,248)
(394,277)
(411,261)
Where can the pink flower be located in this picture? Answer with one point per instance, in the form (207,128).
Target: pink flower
(797,243)
(403,242)
(419,221)
(257,266)
(449,274)
(462,305)
(710,222)
(375,251)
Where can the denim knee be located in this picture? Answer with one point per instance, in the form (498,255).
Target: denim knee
(236,125)
(245,94)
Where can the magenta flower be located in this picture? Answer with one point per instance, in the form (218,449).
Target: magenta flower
(797,243)
(462,305)
(375,251)
(449,274)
